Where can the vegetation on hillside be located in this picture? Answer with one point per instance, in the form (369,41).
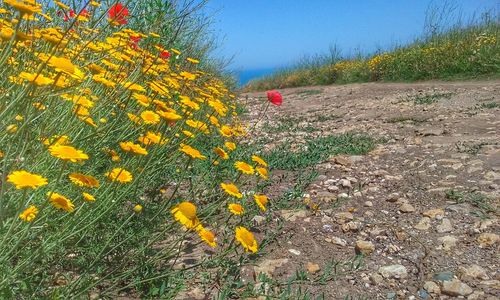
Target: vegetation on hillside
(457,53)
(119,152)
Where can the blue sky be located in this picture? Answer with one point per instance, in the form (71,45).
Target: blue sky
(275,33)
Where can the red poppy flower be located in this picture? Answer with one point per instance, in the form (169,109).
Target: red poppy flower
(135,41)
(274,97)
(165,54)
(117,13)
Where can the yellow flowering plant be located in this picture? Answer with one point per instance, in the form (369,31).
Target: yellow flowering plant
(99,116)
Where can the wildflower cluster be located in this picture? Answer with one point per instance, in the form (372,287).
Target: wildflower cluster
(94,112)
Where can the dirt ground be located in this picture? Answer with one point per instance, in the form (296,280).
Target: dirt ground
(422,207)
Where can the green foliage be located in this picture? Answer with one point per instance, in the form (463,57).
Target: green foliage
(318,150)
(459,53)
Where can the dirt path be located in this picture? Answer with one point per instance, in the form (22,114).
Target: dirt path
(422,207)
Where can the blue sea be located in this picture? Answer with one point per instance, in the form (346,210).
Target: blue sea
(245,76)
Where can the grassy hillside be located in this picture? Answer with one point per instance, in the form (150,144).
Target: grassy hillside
(458,53)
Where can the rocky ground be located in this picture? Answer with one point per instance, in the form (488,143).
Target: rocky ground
(416,218)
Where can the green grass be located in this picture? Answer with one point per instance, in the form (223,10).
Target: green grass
(460,53)
(490,105)
(480,201)
(430,98)
(318,150)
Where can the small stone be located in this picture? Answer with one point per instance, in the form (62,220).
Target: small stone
(342,160)
(391,295)
(294,251)
(364,247)
(424,224)
(343,217)
(368,204)
(443,276)
(433,213)
(423,294)
(472,272)
(448,242)
(258,220)
(487,239)
(476,295)
(345,183)
(293,215)
(456,288)
(351,226)
(445,226)
(392,197)
(376,279)
(197,294)
(268,266)
(357,194)
(326,197)
(326,219)
(338,241)
(432,287)
(393,271)
(406,208)
(492,176)
(313,268)
(343,195)
(332,188)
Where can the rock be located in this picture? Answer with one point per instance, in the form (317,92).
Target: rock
(345,183)
(433,213)
(393,271)
(431,131)
(343,217)
(487,239)
(492,176)
(443,276)
(326,219)
(456,288)
(332,188)
(293,215)
(351,226)
(472,272)
(495,284)
(326,197)
(445,226)
(338,241)
(423,294)
(313,268)
(392,197)
(368,204)
(364,247)
(448,242)
(268,266)
(343,195)
(258,220)
(294,251)
(406,208)
(432,287)
(342,160)
(476,295)
(376,279)
(391,295)
(423,224)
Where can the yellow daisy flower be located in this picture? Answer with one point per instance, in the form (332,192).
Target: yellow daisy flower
(22,179)
(244,167)
(208,237)
(119,174)
(185,213)
(231,189)
(67,153)
(60,202)
(261,201)
(88,197)
(134,148)
(190,151)
(246,239)
(236,209)
(83,180)
(29,214)
(259,160)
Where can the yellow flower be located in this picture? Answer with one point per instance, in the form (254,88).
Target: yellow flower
(24,6)
(22,179)
(67,153)
(141,99)
(230,146)
(152,138)
(62,64)
(119,174)
(187,75)
(134,148)
(226,131)
(244,167)
(192,60)
(190,151)
(150,117)
(231,189)
(29,214)
(137,208)
(261,201)
(133,87)
(262,172)
(56,140)
(11,128)
(188,102)
(83,180)
(208,237)
(259,160)
(236,209)
(185,213)
(246,239)
(19,118)
(60,202)
(221,153)
(170,116)
(88,197)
